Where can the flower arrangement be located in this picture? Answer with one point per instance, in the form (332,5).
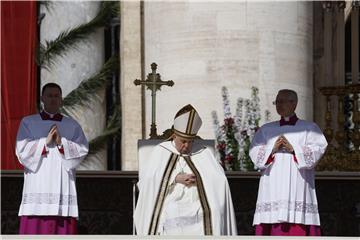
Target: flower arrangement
(233,138)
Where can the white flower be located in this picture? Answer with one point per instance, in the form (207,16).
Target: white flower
(247,117)
(243,128)
(225,95)
(239,113)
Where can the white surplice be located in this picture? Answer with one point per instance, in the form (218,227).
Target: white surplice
(287,187)
(49,179)
(182,212)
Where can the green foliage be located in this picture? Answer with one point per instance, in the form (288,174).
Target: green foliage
(69,39)
(87,88)
(235,135)
(248,164)
(113,129)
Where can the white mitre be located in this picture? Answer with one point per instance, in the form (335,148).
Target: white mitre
(187,122)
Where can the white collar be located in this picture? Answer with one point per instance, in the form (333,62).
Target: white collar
(288,118)
(50,114)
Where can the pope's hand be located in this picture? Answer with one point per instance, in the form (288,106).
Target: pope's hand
(186,179)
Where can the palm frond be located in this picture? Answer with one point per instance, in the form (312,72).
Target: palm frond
(69,39)
(115,9)
(113,129)
(81,95)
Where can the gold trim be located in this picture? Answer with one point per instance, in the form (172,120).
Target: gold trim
(184,135)
(161,194)
(202,195)
(190,122)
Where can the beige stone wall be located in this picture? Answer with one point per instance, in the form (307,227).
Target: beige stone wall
(130,53)
(203,46)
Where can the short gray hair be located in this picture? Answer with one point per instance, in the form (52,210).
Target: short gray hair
(292,95)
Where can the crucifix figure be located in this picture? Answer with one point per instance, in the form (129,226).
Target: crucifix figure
(153,82)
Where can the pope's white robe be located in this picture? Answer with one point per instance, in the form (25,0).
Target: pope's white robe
(287,187)
(49,179)
(166,207)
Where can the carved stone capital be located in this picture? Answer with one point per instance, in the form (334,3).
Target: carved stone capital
(341,5)
(356,4)
(328,6)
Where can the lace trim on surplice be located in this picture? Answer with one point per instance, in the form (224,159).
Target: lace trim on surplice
(308,156)
(49,198)
(296,206)
(73,151)
(261,155)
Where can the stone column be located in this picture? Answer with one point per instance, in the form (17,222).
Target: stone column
(130,58)
(328,12)
(319,62)
(204,46)
(76,66)
(355,42)
(339,58)
(328,62)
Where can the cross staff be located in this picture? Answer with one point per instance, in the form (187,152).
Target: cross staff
(153,83)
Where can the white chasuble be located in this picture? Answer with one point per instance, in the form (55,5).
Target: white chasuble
(168,208)
(49,175)
(287,186)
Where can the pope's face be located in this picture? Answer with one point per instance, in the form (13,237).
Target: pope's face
(52,99)
(285,107)
(183,145)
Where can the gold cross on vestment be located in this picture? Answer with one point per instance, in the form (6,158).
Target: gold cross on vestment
(153,82)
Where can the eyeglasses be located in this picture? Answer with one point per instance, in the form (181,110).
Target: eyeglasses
(281,101)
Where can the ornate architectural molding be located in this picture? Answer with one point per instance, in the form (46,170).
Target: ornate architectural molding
(328,6)
(356,4)
(341,5)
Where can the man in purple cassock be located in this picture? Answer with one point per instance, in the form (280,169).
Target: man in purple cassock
(49,146)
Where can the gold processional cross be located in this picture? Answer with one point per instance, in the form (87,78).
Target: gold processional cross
(153,82)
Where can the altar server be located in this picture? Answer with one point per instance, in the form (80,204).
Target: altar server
(49,146)
(287,152)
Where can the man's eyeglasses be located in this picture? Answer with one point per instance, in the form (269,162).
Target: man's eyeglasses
(281,101)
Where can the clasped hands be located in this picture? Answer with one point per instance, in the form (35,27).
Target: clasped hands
(282,144)
(53,136)
(186,179)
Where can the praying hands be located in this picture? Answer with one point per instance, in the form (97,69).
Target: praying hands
(53,136)
(282,144)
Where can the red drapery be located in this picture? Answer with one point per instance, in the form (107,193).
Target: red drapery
(18,73)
